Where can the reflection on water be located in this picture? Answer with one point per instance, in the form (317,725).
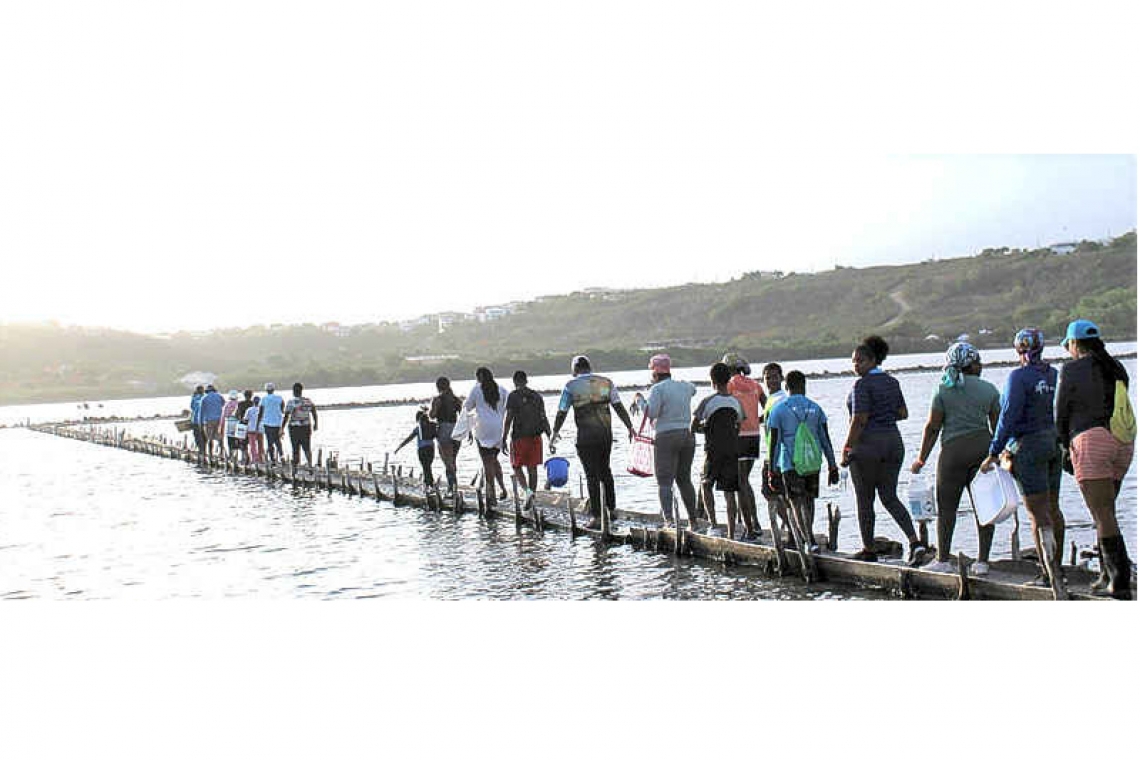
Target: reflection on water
(88,522)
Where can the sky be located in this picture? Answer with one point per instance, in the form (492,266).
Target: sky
(170,167)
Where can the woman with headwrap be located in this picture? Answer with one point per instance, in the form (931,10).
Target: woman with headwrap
(965,410)
(1025,427)
(1100,455)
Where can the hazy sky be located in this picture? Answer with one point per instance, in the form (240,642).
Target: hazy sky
(222,164)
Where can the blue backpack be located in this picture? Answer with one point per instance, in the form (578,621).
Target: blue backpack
(557,471)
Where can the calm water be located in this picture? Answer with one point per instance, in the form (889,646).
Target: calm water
(87,521)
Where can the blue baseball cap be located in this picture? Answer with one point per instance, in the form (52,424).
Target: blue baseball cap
(1079,329)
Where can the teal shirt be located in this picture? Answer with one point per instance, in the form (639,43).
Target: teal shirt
(966,410)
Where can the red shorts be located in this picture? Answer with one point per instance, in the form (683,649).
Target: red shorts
(526,452)
(1097,455)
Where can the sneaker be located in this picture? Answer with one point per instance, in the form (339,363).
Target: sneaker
(864,555)
(668,525)
(594,524)
(917,555)
(980,569)
(502,495)
(715,531)
(1040,581)
(814,549)
(940,566)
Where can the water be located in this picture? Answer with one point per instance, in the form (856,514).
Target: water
(91,522)
(112,524)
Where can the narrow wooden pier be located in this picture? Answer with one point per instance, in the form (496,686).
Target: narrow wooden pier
(560,511)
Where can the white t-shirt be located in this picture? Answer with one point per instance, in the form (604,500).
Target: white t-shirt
(488,428)
(251,419)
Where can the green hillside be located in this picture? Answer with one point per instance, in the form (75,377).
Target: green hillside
(762,314)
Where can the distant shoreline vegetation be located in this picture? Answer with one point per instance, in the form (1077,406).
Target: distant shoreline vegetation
(917,307)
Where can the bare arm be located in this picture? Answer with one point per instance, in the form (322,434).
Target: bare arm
(929,436)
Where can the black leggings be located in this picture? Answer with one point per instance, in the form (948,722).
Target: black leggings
(875,465)
(299,438)
(957,464)
(595,459)
(427,456)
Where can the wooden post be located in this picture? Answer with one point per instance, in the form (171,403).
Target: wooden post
(963,580)
(573,522)
(924,533)
(833,518)
(1073,554)
(395,492)
(320,456)
(481,502)
(1014,539)
(385,463)
(376,485)
(515,495)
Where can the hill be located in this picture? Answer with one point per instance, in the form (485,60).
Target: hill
(989,296)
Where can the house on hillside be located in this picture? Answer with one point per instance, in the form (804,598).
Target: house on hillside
(1063,248)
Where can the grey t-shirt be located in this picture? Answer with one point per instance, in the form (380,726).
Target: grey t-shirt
(966,410)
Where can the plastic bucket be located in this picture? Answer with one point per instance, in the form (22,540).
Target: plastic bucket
(557,471)
(994,495)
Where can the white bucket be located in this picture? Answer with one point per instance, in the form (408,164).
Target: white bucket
(995,496)
(240,431)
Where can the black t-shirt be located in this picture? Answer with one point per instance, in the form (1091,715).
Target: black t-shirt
(528,413)
(445,408)
(1085,398)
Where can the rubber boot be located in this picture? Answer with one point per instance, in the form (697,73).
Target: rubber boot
(1100,585)
(1119,567)
(1048,545)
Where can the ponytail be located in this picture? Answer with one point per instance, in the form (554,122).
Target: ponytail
(1112,369)
(488,385)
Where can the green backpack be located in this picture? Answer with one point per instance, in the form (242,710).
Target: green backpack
(807,457)
(1123,422)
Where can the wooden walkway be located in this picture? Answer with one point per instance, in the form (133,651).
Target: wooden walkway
(560,511)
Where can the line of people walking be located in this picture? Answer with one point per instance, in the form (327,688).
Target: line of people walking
(247,428)
(1043,422)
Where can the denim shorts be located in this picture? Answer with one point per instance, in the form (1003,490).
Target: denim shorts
(1037,464)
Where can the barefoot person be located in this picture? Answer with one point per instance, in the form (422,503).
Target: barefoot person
(1087,395)
(874,447)
(524,424)
(445,408)
(965,411)
(489,401)
(591,397)
(1025,426)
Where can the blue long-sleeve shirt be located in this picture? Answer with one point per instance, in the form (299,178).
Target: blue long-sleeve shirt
(196,409)
(783,421)
(211,407)
(1026,404)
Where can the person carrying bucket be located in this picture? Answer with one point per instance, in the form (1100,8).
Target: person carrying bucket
(1026,426)
(965,409)
(591,396)
(674,445)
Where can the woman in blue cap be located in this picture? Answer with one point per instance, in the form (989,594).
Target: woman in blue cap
(1026,426)
(1099,452)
